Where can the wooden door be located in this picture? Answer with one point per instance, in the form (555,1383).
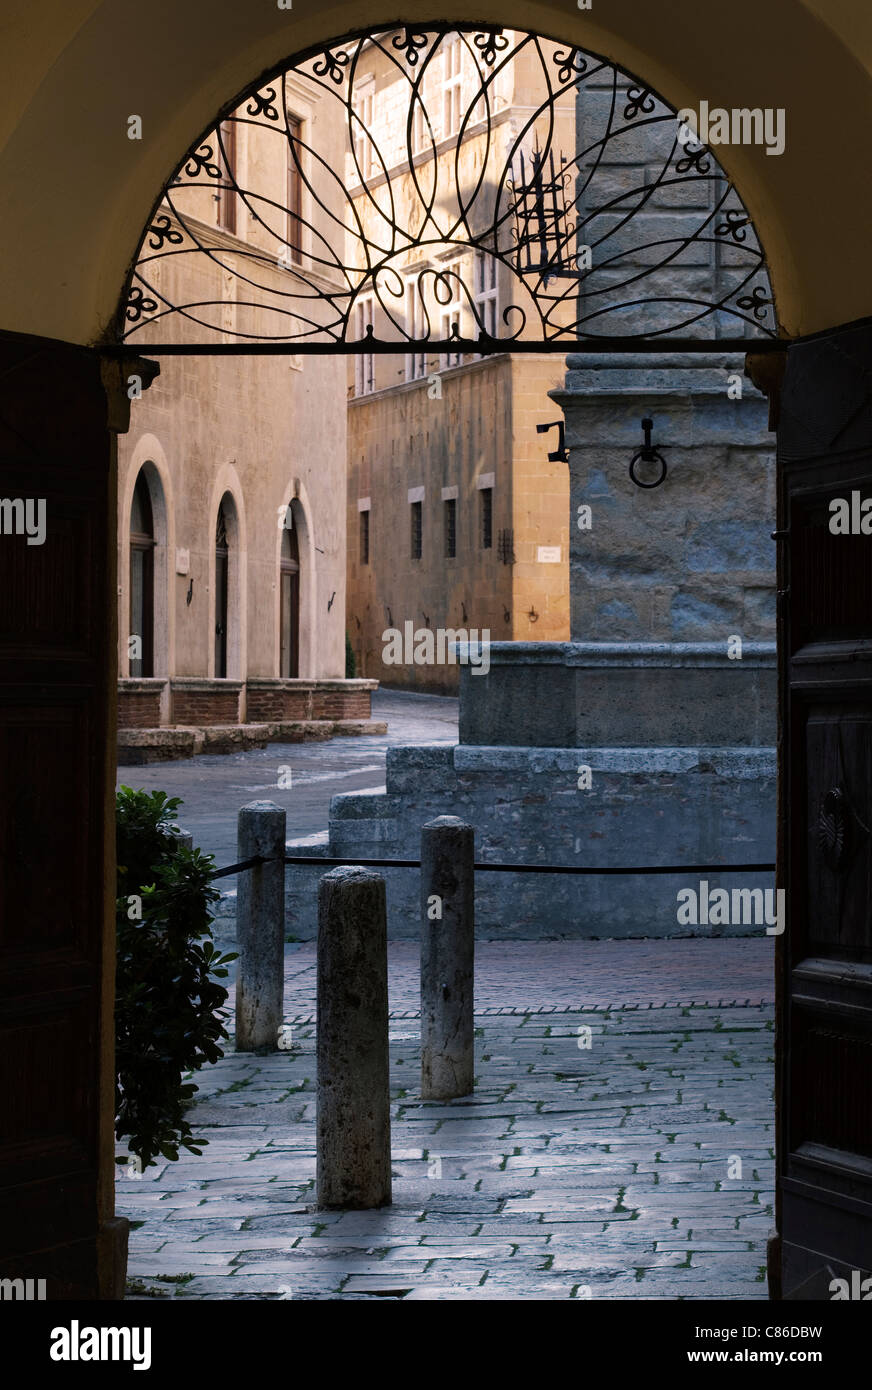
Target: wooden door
(825,1004)
(57,700)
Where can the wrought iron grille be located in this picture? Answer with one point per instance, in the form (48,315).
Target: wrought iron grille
(449,185)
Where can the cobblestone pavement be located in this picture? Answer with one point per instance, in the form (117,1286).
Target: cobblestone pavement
(524,975)
(638,1167)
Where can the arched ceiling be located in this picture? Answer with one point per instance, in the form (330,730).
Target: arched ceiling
(76,191)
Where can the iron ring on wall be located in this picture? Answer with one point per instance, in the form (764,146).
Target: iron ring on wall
(649,456)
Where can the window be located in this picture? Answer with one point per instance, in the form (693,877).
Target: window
(364,150)
(294,194)
(416,362)
(485,295)
(364,537)
(450,526)
(450,311)
(417,530)
(421,137)
(364,362)
(452,76)
(227,162)
(222,564)
(289,653)
(142,580)
(486,517)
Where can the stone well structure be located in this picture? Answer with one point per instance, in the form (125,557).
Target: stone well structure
(666,693)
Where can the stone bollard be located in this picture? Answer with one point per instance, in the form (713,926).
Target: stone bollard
(184,837)
(353,1088)
(447,958)
(260,927)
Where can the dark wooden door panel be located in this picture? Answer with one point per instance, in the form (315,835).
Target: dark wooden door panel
(825,636)
(57,635)
(838,818)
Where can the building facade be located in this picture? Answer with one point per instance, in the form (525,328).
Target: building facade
(231,519)
(457,519)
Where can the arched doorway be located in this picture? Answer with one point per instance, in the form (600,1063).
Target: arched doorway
(510,274)
(289,600)
(142,545)
(222,611)
(822,291)
(226,654)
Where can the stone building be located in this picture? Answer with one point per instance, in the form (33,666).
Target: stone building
(457,519)
(231,541)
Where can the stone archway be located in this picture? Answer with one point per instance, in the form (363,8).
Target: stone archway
(58,427)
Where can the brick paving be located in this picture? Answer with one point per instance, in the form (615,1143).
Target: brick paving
(638,1167)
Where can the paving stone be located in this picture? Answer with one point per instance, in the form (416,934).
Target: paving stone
(570,1168)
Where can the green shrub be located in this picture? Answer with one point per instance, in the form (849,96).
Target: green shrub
(166,993)
(350,663)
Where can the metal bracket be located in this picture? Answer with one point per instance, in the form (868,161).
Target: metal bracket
(561,453)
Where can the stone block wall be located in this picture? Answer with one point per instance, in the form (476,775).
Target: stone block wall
(690,560)
(621,694)
(647,807)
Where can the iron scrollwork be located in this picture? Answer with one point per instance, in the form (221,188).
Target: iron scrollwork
(263,104)
(197,162)
(576,262)
(162,230)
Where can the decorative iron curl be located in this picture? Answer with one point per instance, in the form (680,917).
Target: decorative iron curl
(264,105)
(489,44)
(331,65)
(569,65)
(756,302)
(161,231)
(200,160)
(734,226)
(639,102)
(138,304)
(410,42)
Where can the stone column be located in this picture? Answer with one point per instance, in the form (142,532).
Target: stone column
(447,956)
(690,560)
(260,927)
(353,1087)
